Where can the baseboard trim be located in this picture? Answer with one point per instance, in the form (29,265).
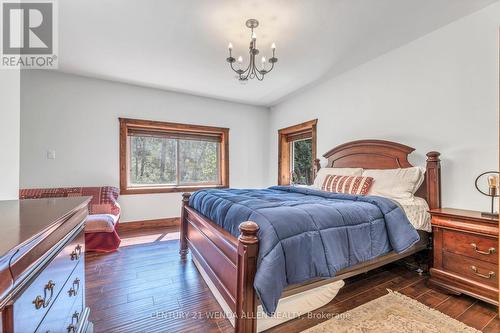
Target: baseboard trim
(145,224)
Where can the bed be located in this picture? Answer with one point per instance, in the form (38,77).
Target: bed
(229,263)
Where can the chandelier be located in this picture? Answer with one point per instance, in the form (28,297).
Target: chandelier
(251,71)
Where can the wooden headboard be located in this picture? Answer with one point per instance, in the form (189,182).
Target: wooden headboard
(380,154)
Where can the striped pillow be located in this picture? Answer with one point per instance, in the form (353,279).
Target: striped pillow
(358,185)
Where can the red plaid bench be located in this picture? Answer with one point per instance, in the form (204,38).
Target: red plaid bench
(104,213)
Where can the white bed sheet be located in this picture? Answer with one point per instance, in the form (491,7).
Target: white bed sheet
(417,212)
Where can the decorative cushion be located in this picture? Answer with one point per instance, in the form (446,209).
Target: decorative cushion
(103,199)
(323,172)
(358,185)
(100,223)
(396,183)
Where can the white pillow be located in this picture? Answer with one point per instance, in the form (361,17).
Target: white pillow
(323,172)
(395,183)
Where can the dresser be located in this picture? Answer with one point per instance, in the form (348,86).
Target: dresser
(42,266)
(465,253)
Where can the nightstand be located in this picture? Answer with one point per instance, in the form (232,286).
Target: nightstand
(465,253)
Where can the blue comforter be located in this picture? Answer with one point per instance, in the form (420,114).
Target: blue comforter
(307,233)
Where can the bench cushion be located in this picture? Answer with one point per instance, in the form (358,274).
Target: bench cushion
(100,223)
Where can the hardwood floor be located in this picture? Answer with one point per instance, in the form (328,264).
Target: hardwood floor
(144,287)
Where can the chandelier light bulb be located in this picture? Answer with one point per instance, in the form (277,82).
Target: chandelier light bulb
(230,46)
(273,46)
(240,59)
(263,60)
(254,35)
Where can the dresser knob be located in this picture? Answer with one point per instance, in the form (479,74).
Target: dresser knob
(77,252)
(38,302)
(489,276)
(73,291)
(75,317)
(491,250)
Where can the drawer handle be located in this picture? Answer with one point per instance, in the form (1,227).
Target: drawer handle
(38,302)
(44,302)
(491,250)
(72,327)
(74,291)
(489,276)
(77,252)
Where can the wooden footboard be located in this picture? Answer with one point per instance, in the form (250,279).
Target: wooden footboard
(229,262)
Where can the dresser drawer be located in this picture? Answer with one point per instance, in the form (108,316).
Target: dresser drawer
(470,245)
(473,269)
(70,301)
(46,287)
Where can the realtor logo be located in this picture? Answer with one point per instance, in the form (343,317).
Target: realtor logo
(29,38)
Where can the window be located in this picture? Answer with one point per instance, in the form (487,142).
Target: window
(168,157)
(302,162)
(297,151)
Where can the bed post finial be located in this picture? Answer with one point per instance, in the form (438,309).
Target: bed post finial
(248,233)
(316,166)
(433,179)
(183,251)
(246,300)
(433,156)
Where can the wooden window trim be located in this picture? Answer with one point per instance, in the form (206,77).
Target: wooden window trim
(285,136)
(127,124)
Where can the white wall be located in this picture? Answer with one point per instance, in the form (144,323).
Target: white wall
(9,134)
(78,118)
(439,92)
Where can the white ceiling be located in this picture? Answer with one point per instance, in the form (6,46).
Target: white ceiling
(181,45)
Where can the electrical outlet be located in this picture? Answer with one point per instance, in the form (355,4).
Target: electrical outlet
(51,154)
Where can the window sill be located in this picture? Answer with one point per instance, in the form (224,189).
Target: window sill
(169,189)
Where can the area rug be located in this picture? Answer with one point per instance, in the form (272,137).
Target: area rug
(392,313)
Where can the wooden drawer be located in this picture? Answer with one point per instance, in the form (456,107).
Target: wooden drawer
(26,315)
(470,245)
(473,269)
(70,301)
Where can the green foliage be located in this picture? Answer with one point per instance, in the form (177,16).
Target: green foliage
(302,162)
(153,161)
(198,161)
